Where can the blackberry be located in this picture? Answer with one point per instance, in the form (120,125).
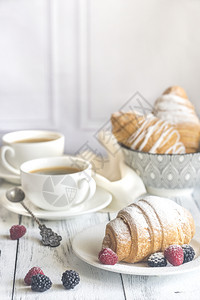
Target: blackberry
(189,253)
(70,279)
(40,283)
(157,260)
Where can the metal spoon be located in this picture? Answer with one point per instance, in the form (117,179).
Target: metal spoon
(49,238)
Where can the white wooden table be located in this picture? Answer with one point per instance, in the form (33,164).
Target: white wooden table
(17,257)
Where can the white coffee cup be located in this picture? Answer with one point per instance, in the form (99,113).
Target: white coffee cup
(51,190)
(21,146)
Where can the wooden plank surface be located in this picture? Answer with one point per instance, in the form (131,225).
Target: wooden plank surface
(95,283)
(8,250)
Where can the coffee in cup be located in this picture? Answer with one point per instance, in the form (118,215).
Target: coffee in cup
(56,170)
(21,146)
(57,183)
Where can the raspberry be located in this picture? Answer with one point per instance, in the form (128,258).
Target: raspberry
(174,255)
(33,271)
(40,283)
(188,252)
(108,257)
(70,279)
(157,260)
(17,231)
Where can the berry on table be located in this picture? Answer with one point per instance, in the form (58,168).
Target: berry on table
(157,260)
(33,271)
(17,231)
(70,279)
(174,255)
(40,283)
(108,257)
(188,252)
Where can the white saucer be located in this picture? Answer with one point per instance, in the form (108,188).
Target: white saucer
(100,200)
(87,245)
(8,176)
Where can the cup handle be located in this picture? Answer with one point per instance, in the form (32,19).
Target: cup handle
(4,149)
(91,188)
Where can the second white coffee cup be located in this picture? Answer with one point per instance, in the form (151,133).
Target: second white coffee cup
(57,183)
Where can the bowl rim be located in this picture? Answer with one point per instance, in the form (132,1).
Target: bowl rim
(162,154)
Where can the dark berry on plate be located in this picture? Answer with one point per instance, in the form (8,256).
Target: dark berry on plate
(157,260)
(40,283)
(17,231)
(33,271)
(188,252)
(174,255)
(70,279)
(108,257)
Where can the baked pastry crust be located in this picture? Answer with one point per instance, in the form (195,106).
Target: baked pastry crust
(147,226)
(146,133)
(174,106)
(176,90)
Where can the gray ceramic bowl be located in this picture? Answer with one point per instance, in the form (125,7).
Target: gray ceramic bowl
(165,174)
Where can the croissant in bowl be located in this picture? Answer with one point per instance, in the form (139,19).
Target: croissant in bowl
(147,226)
(146,133)
(174,106)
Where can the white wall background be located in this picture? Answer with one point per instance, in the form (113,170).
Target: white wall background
(68,64)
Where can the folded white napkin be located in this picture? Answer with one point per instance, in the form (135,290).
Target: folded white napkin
(112,174)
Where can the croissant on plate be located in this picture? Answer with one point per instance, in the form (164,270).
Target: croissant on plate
(146,133)
(174,106)
(147,226)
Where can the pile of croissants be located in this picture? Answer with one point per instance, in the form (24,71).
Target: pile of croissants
(172,127)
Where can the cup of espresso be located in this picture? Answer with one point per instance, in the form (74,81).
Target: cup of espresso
(57,183)
(21,146)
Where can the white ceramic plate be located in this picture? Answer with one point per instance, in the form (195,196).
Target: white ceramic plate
(100,200)
(8,176)
(87,245)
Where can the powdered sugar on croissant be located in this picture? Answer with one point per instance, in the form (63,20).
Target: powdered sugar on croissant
(147,226)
